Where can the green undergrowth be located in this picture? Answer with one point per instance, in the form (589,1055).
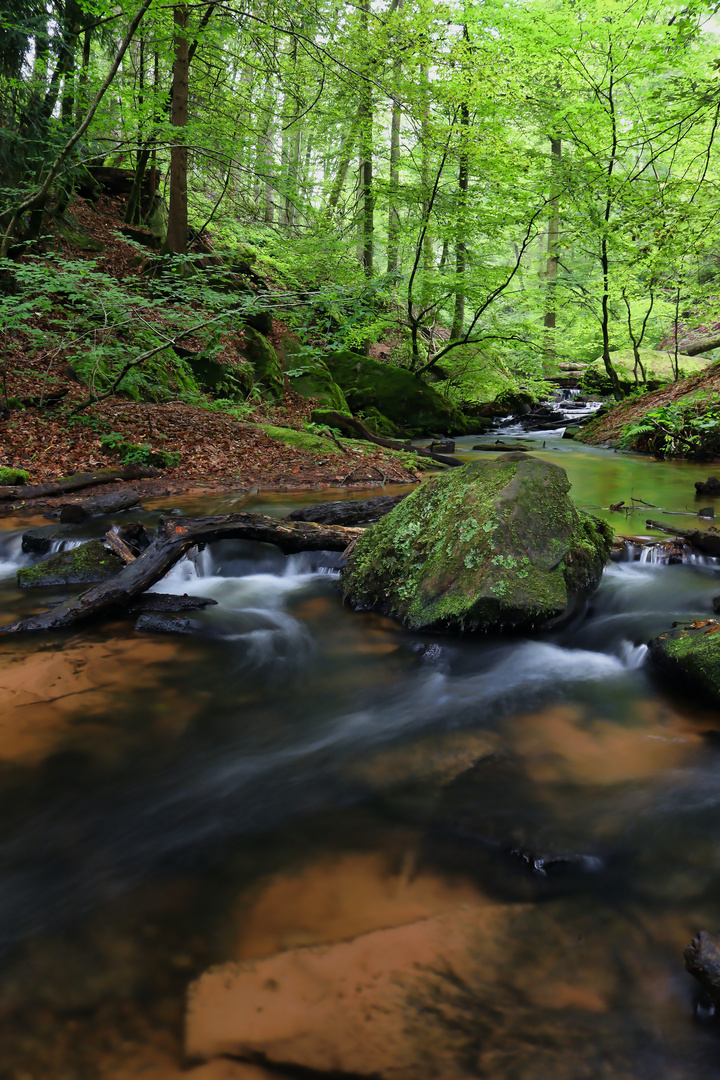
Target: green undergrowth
(131,453)
(688,428)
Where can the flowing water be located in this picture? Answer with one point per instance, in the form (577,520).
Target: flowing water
(294,774)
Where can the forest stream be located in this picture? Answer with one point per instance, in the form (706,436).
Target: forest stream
(298,774)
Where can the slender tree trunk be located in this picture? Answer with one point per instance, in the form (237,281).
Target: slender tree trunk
(393,252)
(427,244)
(366,154)
(176,240)
(346,155)
(551,270)
(458,324)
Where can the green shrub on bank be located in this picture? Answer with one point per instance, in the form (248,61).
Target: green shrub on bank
(688,428)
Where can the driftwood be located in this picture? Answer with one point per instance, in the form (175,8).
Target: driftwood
(121,549)
(702,959)
(175,537)
(76,512)
(706,541)
(77,482)
(353,428)
(348,511)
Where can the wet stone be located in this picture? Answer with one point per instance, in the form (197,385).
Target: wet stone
(83,565)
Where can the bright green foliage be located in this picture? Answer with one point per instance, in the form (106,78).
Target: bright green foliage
(688,428)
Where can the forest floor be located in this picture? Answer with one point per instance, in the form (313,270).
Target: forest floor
(214,448)
(607,430)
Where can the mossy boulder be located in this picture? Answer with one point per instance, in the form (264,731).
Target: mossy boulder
(691,652)
(266,363)
(11,477)
(231,381)
(395,393)
(81,565)
(493,545)
(310,377)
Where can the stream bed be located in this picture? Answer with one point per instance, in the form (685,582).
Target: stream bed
(296,774)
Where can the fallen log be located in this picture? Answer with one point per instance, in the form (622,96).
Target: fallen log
(347,511)
(702,959)
(168,603)
(695,346)
(353,429)
(175,537)
(76,512)
(76,482)
(705,541)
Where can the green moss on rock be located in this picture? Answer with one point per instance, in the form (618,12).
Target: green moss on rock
(301,440)
(310,377)
(12,476)
(394,393)
(77,566)
(691,652)
(266,363)
(493,545)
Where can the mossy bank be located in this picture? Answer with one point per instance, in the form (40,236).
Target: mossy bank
(494,545)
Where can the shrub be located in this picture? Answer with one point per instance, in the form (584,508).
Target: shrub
(687,428)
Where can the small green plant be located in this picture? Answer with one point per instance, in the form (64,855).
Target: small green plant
(131,453)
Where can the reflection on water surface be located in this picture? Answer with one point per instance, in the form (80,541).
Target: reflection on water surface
(529,828)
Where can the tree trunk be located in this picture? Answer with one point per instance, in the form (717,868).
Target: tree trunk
(393,252)
(346,155)
(551,270)
(176,239)
(366,154)
(458,324)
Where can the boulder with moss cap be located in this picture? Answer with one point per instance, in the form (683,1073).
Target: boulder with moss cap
(494,545)
(690,652)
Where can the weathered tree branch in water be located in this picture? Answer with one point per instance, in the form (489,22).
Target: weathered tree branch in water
(707,542)
(76,482)
(353,428)
(702,959)
(175,537)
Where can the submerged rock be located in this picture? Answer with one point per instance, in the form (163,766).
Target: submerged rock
(490,546)
(81,565)
(692,652)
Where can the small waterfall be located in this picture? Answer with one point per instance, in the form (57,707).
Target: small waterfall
(64,545)
(12,556)
(663,553)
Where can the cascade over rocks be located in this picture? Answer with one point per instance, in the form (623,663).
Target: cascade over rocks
(493,545)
